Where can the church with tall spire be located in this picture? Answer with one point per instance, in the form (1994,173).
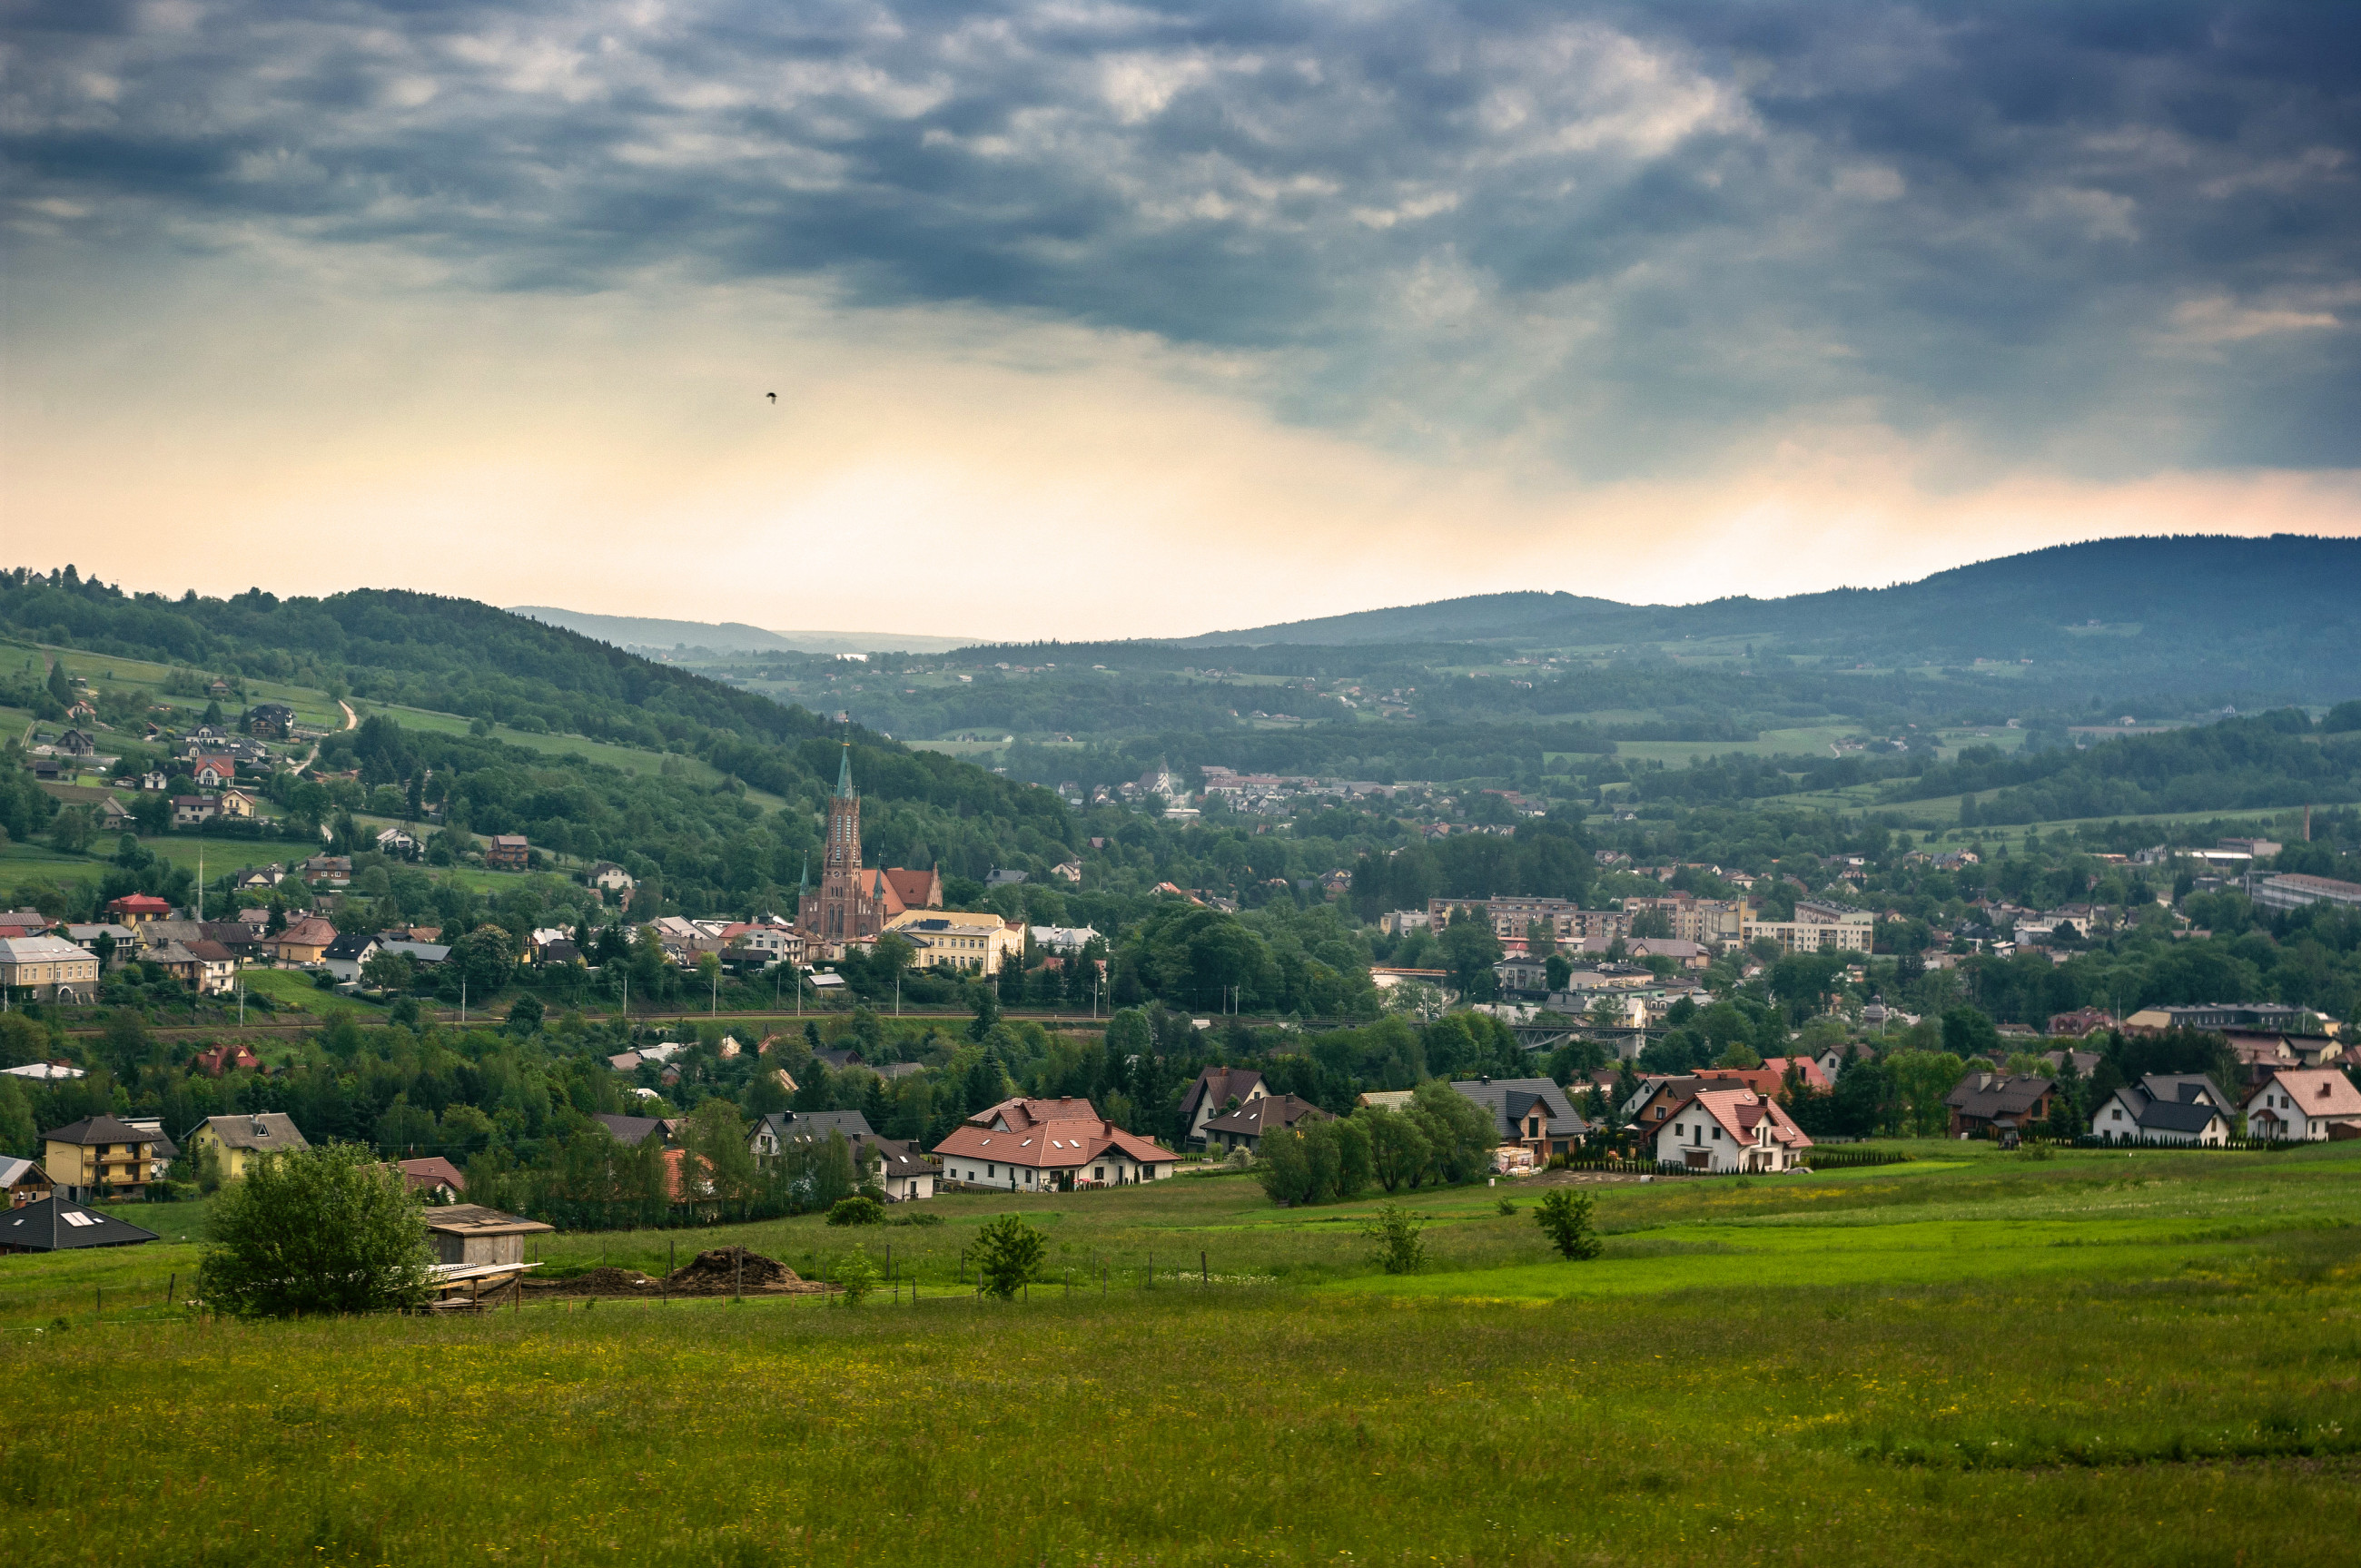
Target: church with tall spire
(853,905)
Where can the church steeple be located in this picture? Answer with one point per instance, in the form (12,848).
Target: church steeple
(844,774)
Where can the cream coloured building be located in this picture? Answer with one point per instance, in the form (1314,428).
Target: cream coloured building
(956,939)
(51,967)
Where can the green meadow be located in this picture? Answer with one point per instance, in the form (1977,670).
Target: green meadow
(2092,1357)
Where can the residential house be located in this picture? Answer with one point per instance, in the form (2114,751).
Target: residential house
(336,870)
(1726,1130)
(1039,1146)
(268,720)
(58,1224)
(1063,938)
(23,1181)
(1532,1114)
(1067,871)
(2303,1105)
(100,1153)
(204,965)
(238,1142)
(837,1058)
(213,773)
(49,968)
(470,1233)
(635,1129)
(193,810)
(1807,1069)
(609,877)
(136,908)
(2164,1108)
(2081,1021)
(348,952)
(438,1178)
(23,923)
(1521,974)
(305,941)
(1217,1089)
(770,1136)
(1999,1104)
(903,1168)
(1246,1127)
(118,943)
(238,805)
(998,877)
(2085,1062)
(74,743)
(398,842)
(507,852)
(260,879)
(222,1059)
(426,955)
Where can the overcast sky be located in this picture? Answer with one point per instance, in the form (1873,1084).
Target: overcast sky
(1115,319)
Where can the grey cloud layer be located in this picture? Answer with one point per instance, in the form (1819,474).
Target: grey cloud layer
(2106,237)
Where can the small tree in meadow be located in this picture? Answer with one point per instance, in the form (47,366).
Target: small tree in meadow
(857,1274)
(1393,1234)
(1565,1217)
(330,1229)
(1006,1252)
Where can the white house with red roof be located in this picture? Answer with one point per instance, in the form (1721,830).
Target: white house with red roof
(214,772)
(1049,1146)
(2301,1104)
(1720,1130)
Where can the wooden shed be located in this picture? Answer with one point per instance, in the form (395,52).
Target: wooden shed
(469,1233)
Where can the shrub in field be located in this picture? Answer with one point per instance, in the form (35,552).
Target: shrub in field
(857,1274)
(1319,1162)
(1394,1235)
(856,1210)
(320,1230)
(1565,1218)
(915,1217)
(1006,1252)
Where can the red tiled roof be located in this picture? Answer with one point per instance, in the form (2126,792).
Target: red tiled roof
(1047,1134)
(1741,1110)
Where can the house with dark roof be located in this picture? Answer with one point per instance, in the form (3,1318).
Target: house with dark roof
(1997,1104)
(60,1224)
(348,952)
(1049,1145)
(1216,1090)
(101,1152)
(1729,1130)
(2165,1108)
(1246,1127)
(1531,1112)
(772,1135)
(635,1129)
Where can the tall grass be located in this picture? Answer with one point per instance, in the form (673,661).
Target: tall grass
(2134,1360)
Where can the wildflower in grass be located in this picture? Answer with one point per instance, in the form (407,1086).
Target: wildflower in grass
(1394,1235)
(1565,1218)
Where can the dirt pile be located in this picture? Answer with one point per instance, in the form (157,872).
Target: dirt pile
(604,1280)
(733,1267)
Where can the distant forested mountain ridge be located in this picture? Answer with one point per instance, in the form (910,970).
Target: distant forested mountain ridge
(2193,613)
(452,655)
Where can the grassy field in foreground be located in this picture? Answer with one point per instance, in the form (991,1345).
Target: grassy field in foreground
(2101,1358)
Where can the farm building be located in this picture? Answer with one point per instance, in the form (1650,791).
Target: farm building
(471,1233)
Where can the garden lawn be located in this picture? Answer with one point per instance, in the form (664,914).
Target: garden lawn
(2151,1359)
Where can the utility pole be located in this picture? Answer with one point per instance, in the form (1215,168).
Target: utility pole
(463,1001)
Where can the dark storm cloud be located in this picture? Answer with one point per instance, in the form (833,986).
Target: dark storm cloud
(2110,238)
